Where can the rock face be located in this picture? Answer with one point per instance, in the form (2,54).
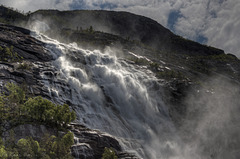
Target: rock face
(25,45)
(31,51)
(89,144)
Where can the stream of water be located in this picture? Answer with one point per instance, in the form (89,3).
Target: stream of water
(112,95)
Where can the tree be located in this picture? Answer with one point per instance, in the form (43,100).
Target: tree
(29,148)
(61,146)
(3,152)
(39,109)
(43,110)
(15,99)
(46,144)
(2,111)
(11,146)
(35,109)
(109,154)
(24,149)
(91,29)
(64,115)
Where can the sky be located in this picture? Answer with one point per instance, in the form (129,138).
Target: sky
(211,22)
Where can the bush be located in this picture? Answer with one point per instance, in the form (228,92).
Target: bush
(15,110)
(8,55)
(23,66)
(3,152)
(43,110)
(51,147)
(109,154)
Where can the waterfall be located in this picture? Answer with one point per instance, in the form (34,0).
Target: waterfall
(113,95)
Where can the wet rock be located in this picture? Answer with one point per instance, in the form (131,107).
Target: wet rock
(26,46)
(90,144)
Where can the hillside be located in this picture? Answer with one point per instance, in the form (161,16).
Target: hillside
(126,25)
(138,84)
(138,34)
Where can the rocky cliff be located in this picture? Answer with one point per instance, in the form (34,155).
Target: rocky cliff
(28,72)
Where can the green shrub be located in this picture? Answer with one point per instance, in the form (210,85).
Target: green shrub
(168,74)
(61,146)
(43,110)
(15,109)
(109,153)
(16,94)
(3,152)
(50,147)
(7,54)
(23,66)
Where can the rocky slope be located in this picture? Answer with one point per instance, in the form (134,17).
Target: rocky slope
(28,72)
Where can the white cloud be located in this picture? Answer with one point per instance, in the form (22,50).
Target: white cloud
(33,5)
(155,9)
(193,19)
(223,31)
(217,20)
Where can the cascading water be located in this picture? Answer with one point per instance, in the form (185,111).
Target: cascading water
(112,95)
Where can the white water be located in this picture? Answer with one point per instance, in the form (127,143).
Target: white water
(113,96)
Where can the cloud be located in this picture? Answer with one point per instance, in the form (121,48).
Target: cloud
(213,22)
(223,30)
(33,5)
(155,9)
(192,21)
(218,21)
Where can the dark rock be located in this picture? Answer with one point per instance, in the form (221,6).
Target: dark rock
(90,144)
(25,45)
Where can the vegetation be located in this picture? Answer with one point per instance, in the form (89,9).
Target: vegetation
(10,15)
(168,74)
(160,73)
(109,154)
(24,66)
(8,54)
(17,109)
(50,147)
(223,58)
(140,61)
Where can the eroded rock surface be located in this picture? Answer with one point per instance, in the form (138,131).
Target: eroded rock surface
(89,144)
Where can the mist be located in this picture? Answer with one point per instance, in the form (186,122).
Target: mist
(211,127)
